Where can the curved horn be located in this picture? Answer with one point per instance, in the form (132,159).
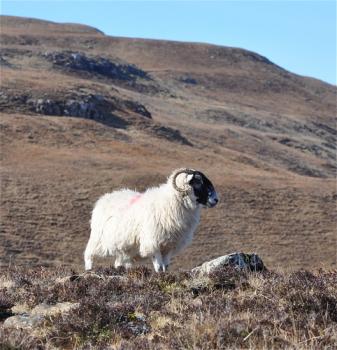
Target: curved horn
(186,171)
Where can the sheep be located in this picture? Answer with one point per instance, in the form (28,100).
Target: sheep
(158,223)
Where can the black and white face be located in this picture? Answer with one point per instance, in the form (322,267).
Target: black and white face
(203,189)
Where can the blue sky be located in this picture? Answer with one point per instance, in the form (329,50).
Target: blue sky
(297,35)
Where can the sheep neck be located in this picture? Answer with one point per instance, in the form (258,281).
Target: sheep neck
(176,214)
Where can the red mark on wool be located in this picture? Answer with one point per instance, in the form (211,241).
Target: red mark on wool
(134,199)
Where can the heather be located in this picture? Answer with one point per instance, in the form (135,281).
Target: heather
(138,309)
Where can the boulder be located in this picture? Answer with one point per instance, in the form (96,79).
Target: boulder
(23,321)
(241,261)
(51,310)
(38,315)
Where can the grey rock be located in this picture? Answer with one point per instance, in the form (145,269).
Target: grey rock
(50,310)
(38,315)
(47,106)
(95,107)
(241,261)
(188,80)
(170,134)
(23,321)
(4,62)
(78,61)
(137,108)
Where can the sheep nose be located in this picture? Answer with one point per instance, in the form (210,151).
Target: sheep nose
(212,200)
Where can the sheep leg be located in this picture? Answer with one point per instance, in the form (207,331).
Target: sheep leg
(88,258)
(123,260)
(166,260)
(118,262)
(158,263)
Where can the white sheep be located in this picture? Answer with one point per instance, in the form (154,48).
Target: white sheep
(132,226)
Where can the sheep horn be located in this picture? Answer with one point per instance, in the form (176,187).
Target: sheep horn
(186,171)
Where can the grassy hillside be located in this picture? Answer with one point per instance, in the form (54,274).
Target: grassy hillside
(110,309)
(83,113)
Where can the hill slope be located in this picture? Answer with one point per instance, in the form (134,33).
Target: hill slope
(54,308)
(84,113)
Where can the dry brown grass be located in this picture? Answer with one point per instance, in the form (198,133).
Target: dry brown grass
(277,199)
(137,309)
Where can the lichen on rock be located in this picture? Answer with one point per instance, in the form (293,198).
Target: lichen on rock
(241,261)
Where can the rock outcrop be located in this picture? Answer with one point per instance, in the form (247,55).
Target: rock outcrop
(95,107)
(241,261)
(97,65)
